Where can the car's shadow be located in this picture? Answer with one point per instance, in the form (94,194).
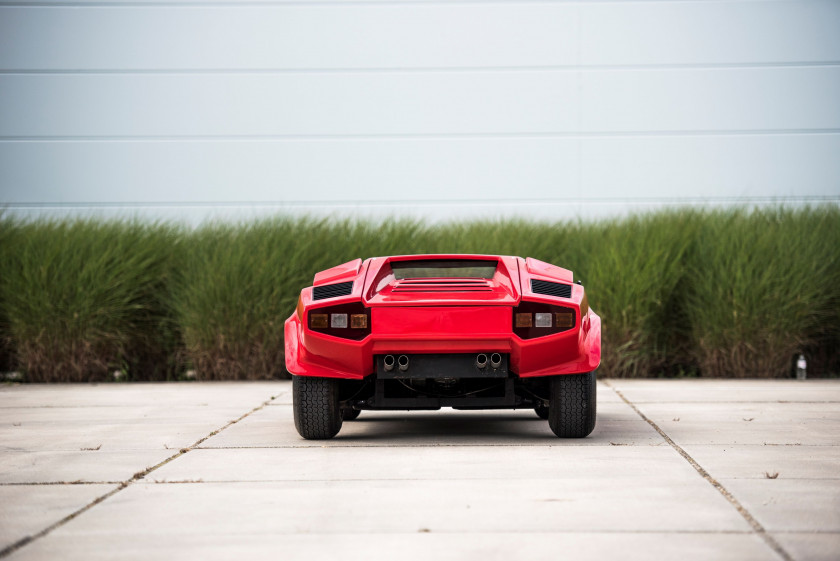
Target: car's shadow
(436,428)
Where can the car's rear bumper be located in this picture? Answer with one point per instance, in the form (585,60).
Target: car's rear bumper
(471,330)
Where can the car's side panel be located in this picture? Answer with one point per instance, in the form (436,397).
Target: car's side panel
(541,268)
(344,272)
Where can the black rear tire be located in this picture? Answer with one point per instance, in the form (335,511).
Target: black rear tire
(316,409)
(573,401)
(349,414)
(541,411)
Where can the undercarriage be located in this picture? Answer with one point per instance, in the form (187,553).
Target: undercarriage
(429,382)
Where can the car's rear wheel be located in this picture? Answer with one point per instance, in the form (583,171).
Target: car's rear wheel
(316,408)
(572,407)
(348,414)
(541,411)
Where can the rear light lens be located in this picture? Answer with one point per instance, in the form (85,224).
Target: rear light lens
(338,321)
(565,319)
(524,320)
(542,319)
(319,321)
(533,319)
(348,321)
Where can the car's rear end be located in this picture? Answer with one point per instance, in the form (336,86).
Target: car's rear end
(431,331)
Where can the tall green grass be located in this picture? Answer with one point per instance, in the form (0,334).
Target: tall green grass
(635,277)
(7,232)
(81,298)
(232,296)
(763,286)
(725,293)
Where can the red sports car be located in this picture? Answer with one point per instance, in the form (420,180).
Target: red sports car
(432,331)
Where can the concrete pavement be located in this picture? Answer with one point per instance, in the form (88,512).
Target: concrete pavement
(687,469)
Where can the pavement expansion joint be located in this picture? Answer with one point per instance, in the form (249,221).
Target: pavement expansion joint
(393,445)
(752,402)
(31,483)
(8,550)
(755,524)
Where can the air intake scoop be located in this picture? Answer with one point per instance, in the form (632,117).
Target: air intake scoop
(551,288)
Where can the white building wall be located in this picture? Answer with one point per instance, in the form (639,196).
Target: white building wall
(418,104)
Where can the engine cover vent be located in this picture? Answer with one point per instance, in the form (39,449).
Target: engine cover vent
(442,285)
(332,290)
(551,288)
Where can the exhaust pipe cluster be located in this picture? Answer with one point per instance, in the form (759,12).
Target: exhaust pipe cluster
(388,362)
(481,361)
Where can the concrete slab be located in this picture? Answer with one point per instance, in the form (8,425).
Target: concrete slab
(108,437)
(121,416)
(790,505)
(733,391)
(747,423)
(810,545)
(759,461)
(182,394)
(79,466)
(415,546)
(534,463)
(451,506)
(124,415)
(28,509)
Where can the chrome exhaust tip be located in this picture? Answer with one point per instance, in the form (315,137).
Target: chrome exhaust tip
(481,360)
(402,362)
(388,362)
(495,360)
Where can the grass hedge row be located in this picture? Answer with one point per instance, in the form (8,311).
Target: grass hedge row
(712,293)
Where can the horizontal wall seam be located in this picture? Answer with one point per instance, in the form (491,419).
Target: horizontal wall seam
(423,69)
(383,3)
(472,202)
(409,136)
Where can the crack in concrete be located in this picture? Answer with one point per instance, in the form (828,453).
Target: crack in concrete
(750,519)
(9,549)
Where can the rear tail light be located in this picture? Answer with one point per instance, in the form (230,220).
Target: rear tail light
(348,321)
(532,319)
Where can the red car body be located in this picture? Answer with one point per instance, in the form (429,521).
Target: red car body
(416,308)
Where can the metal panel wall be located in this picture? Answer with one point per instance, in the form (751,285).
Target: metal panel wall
(415,101)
